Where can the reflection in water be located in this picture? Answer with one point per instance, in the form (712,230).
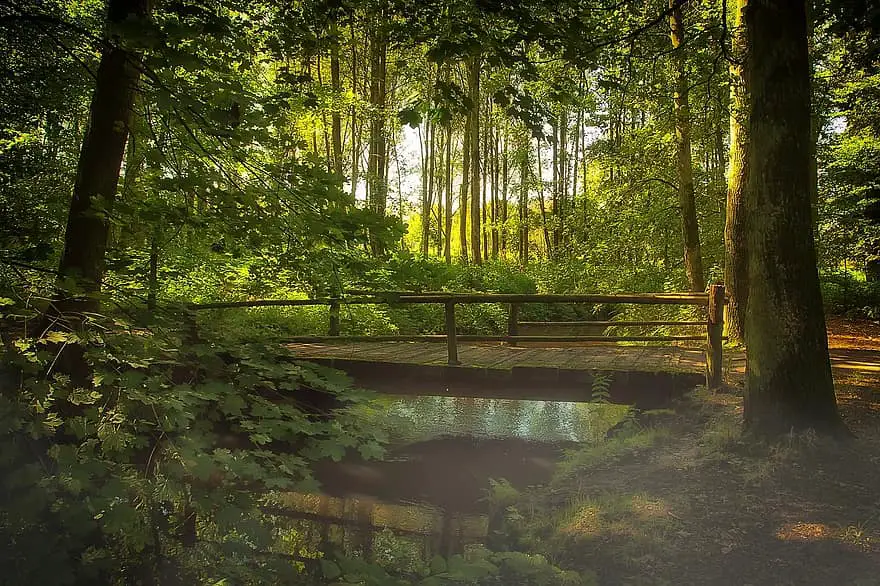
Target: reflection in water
(418,418)
(431,492)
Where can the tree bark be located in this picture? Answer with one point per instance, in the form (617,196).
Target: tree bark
(542,204)
(736,263)
(788,384)
(378,164)
(523,206)
(693,258)
(505,184)
(336,82)
(447,240)
(465,187)
(82,263)
(474,84)
(426,190)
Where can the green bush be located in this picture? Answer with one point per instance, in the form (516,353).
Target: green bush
(847,293)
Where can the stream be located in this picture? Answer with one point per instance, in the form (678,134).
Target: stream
(444,454)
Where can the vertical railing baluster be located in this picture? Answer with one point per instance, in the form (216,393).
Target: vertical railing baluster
(451,342)
(513,322)
(334,317)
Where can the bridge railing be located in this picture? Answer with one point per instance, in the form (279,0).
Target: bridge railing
(713,301)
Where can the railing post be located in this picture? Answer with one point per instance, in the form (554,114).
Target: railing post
(451,343)
(714,347)
(513,322)
(334,317)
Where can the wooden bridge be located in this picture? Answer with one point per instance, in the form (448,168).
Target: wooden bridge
(520,364)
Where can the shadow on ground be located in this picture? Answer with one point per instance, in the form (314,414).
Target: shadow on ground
(704,506)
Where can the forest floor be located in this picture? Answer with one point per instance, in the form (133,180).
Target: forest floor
(699,504)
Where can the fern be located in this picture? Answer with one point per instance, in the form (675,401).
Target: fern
(600,392)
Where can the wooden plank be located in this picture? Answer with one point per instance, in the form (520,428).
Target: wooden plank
(613,323)
(477,338)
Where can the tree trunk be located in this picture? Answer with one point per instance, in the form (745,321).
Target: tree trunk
(496,176)
(426,190)
(465,187)
(355,127)
(693,259)
(378,164)
(97,175)
(524,207)
(153,274)
(736,263)
(543,204)
(505,184)
(337,93)
(487,173)
(788,383)
(474,83)
(447,241)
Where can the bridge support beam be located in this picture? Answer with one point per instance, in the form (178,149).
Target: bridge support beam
(451,342)
(715,331)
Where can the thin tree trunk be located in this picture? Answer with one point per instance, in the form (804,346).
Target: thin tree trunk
(355,127)
(542,204)
(554,158)
(693,257)
(153,273)
(474,84)
(505,184)
(486,175)
(788,380)
(378,158)
(424,144)
(563,178)
(337,93)
(736,265)
(524,207)
(465,188)
(97,176)
(447,241)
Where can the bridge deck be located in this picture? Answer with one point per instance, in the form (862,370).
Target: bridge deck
(647,376)
(673,359)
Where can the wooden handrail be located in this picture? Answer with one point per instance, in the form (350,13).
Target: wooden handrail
(470,298)
(714,301)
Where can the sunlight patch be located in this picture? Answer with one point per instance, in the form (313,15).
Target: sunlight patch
(804,532)
(584,522)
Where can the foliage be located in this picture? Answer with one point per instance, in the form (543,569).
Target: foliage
(121,470)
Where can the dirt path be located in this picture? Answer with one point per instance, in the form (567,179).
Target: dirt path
(701,506)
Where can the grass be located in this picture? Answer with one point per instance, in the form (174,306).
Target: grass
(688,499)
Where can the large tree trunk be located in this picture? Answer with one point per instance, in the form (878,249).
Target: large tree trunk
(788,383)
(474,83)
(465,186)
(736,262)
(693,258)
(97,175)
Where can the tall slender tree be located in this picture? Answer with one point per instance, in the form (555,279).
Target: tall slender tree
(693,256)
(736,267)
(100,160)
